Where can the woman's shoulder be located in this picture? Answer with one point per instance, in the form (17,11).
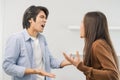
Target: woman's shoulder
(99,42)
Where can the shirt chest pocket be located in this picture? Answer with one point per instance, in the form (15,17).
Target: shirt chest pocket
(23,57)
(23,52)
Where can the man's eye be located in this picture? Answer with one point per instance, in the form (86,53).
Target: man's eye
(41,16)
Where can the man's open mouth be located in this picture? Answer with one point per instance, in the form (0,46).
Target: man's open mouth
(43,26)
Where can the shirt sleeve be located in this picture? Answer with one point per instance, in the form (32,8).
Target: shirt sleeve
(109,69)
(11,56)
(54,62)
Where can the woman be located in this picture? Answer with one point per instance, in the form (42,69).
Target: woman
(99,60)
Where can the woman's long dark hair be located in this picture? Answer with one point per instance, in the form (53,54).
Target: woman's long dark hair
(96,27)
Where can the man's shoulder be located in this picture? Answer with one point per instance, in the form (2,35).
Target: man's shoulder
(17,35)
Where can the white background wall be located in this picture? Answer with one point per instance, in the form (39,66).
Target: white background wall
(1,27)
(63,13)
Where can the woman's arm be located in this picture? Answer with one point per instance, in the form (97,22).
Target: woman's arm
(103,53)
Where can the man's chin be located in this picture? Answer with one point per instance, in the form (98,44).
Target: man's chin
(40,31)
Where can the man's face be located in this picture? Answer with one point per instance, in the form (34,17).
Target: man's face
(39,24)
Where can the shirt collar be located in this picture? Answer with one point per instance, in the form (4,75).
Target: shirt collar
(27,36)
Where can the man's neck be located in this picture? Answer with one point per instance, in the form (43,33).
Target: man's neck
(32,32)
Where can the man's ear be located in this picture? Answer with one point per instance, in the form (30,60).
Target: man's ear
(31,20)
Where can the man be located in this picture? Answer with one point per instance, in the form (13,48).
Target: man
(27,56)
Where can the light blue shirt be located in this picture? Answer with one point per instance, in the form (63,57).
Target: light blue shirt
(19,56)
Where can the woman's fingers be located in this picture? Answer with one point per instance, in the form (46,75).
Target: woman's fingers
(77,55)
(67,57)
